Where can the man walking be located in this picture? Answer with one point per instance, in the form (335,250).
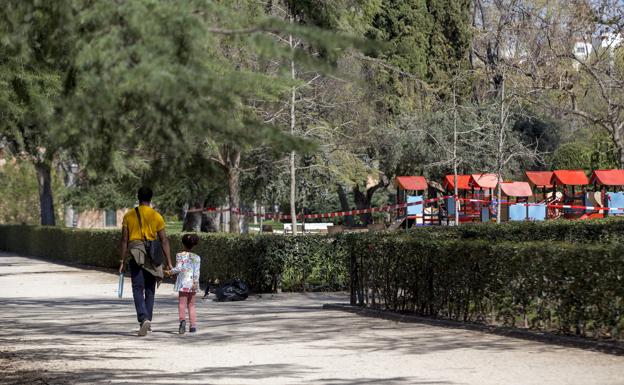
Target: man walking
(141,224)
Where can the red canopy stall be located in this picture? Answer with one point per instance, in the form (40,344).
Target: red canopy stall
(411,183)
(604,180)
(521,191)
(483,181)
(412,189)
(607,178)
(540,179)
(570,180)
(483,186)
(462,183)
(516,189)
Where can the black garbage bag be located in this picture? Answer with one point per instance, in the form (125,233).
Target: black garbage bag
(233,290)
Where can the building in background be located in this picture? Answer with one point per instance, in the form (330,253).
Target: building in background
(98,219)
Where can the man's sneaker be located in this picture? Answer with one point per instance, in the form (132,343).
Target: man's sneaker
(145,326)
(182,328)
(192,329)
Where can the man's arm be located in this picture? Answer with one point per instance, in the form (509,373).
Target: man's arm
(123,249)
(165,245)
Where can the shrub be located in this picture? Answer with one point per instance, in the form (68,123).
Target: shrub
(575,288)
(263,261)
(559,275)
(595,230)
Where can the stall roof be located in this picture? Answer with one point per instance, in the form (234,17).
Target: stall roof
(411,182)
(608,177)
(570,177)
(462,182)
(517,189)
(540,178)
(483,180)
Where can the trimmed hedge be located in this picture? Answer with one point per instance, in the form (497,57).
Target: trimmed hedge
(559,275)
(574,288)
(595,230)
(265,262)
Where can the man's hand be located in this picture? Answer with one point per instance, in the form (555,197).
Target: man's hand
(166,249)
(122,267)
(195,286)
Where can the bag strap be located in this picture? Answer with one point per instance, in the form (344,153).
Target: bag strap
(136,210)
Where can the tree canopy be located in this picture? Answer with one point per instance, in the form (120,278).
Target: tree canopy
(225,101)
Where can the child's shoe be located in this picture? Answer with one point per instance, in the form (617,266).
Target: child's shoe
(182,328)
(192,329)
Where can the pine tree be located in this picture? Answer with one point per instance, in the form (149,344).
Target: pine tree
(35,51)
(449,39)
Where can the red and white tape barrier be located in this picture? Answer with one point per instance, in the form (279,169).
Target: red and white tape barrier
(388,208)
(554,206)
(334,214)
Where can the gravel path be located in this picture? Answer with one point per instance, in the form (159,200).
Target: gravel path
(62,325)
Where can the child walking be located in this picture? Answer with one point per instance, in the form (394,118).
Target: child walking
(187,282)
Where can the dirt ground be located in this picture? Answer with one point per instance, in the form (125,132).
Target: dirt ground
(63,325)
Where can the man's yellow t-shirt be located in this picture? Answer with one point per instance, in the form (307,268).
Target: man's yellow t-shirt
(152,222)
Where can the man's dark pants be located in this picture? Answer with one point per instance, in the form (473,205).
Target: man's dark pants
(143,290)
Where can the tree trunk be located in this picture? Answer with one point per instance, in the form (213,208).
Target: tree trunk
(363,199)
(209,223)
(193,217)
(500,152)
(46,201)
(344,204)
(293,186)
(361,202)
(192,220)
(233,176)
(455,187)
(229,159)
(619,143)
(293,192)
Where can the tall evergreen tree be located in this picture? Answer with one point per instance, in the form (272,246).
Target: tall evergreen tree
(449,39)
(36,46)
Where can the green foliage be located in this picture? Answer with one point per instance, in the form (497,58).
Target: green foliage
(449,40)
(572,156)
(595,230)
(429,39)
(572,288)
(34,52)
(597,153)
(540,130)
(343,15)
(559,275)
(263,261)
(19,193)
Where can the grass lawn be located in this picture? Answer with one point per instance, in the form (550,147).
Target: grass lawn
(173,227)
(176,226)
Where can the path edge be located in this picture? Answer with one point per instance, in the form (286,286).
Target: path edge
(608,347)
